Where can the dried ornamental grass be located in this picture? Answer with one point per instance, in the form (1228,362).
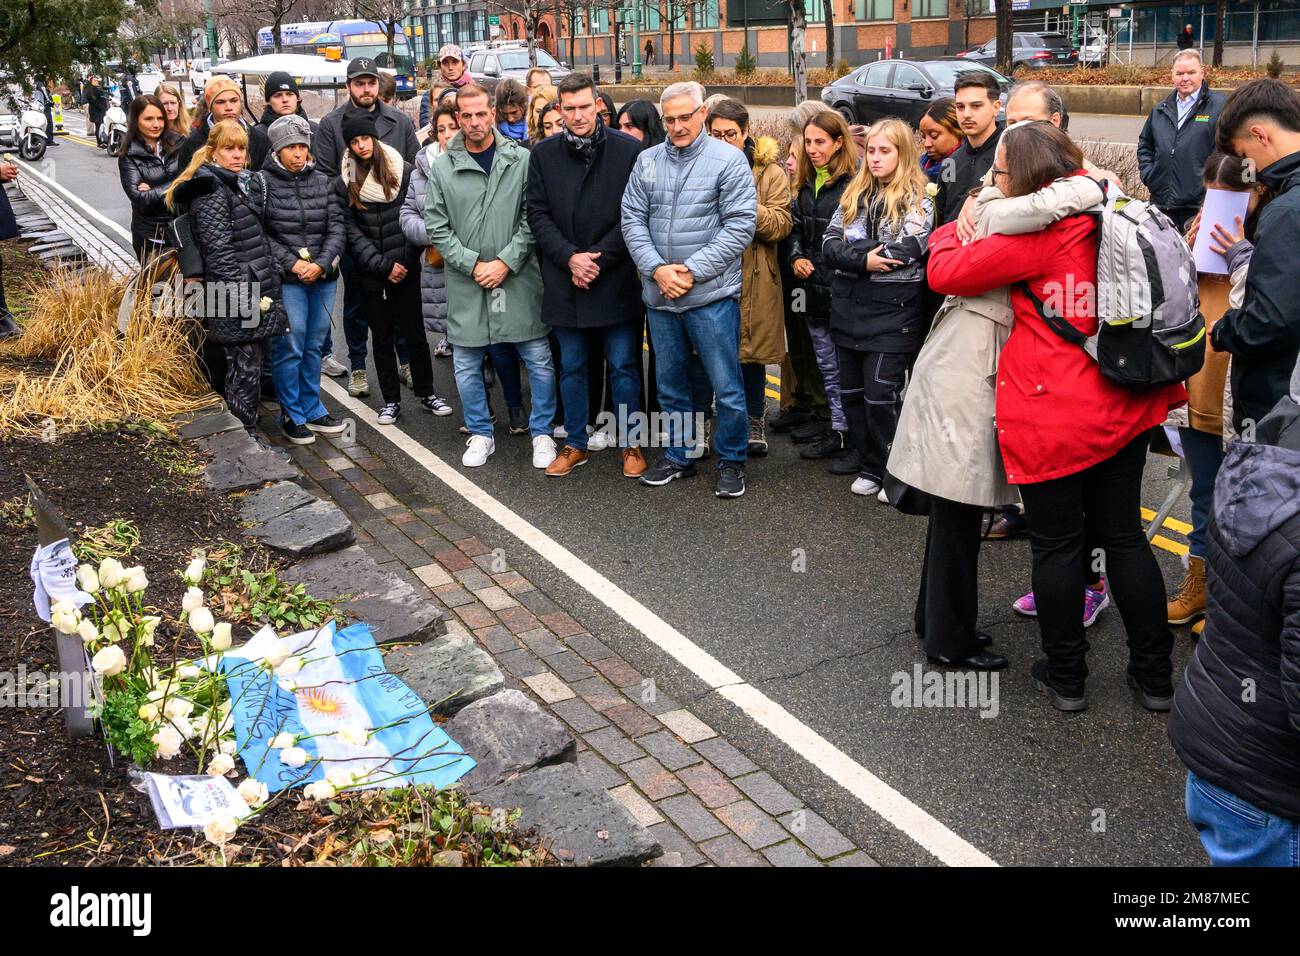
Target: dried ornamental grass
(149,371)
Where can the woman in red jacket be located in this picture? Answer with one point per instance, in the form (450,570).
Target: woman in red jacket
(1074,442)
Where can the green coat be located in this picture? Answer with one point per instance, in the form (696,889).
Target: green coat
(473,216)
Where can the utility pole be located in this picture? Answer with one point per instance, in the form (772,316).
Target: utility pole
(636,38)
(210,36)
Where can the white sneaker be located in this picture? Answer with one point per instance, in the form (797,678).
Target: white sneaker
(598,440)
(882,497)
(559,432)
(543,451)
(477,450)
(865,486)
(333,367)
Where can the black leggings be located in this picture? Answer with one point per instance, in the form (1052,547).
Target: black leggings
(871,389)
(1099,506)
(387,310)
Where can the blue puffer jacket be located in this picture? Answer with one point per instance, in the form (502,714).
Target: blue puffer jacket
(433,279)
(696,206)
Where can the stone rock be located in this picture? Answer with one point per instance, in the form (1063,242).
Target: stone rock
(506,734)
(273,501)
(239,463)
(449,858)
(380,598)
(312,529)
(209,423)
(586,826)
(447,673)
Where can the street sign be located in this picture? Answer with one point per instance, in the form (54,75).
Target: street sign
(494,20)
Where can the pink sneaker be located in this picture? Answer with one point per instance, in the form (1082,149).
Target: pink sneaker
(1025,605)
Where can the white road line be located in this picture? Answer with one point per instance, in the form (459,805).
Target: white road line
(918,825)
(29,170)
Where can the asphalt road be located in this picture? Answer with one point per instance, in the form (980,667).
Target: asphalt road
(823,636)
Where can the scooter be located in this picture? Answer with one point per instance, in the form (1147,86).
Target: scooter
(31,134)
(112,130)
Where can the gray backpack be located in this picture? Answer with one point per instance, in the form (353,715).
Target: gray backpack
(1150,329)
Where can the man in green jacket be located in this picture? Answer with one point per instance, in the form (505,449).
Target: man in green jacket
(475,214)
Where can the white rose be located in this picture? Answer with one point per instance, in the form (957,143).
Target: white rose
(293,757)
(88,632)
(136,580)
(109,662)
(227,745)
(183,727)
(65,618)
(319,790)
(220,829)
(148,625)
(340,777)
(287,684)
(178,707)
(253,791)
(194,573)
(111,573)
(353,735)
(283,741)
(221,636)
(201,620)
(221,764)
(193,598)
(148,713)
(291,666)
(276,655)
(188,671)
(168,741)
(87,579)
(112,631)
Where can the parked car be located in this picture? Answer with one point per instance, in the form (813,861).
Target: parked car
(489,66)
(1095,49)
(149,78)
(1032,50)
(902,88)
(202,71)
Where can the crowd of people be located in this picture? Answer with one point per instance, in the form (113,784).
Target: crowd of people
(645,265)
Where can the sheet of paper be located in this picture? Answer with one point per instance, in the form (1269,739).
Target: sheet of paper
(191,801)
(1221,206)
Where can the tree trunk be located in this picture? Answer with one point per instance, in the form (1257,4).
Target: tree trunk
(830,35)
(275,36)
(1220,15)
(530,25)
(798,29)
(1004,37)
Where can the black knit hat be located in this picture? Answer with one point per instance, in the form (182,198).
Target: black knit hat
(280,82)
(358,123)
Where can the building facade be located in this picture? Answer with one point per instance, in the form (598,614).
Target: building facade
(429,26)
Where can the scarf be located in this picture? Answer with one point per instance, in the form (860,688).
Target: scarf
(515,131)
(371,189)
(585,146)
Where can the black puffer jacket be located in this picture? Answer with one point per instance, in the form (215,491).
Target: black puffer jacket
(228,229)
(1236,716)
(375,237)
(258,145)
(812,214)
(302,212)
(142,165)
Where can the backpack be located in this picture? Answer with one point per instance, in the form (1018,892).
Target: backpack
(1150,330)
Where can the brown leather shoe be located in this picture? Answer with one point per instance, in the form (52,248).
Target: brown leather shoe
(633,463)
(568,459)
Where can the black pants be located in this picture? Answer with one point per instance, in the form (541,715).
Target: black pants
(871,388)
(1180,216)
(397,307)
(4,306)
(947,607)
(243,385)
(1100,506)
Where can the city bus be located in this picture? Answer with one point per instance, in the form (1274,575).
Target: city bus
(344,40)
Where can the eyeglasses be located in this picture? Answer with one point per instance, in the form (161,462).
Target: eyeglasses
(999,172)
(683,119)
(730,135)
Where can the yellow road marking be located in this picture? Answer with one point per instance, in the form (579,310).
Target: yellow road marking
(1160,541)
(1173,524)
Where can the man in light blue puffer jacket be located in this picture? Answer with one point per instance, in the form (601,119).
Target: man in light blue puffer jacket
(689,212)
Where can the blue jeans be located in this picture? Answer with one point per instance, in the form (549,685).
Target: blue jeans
(355,328)
(622,352)
(505,360)
(468,363)
(714,331)
(296,357)
(1203,453)
(1237,833)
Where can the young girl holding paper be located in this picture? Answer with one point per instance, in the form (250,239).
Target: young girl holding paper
(1204,431)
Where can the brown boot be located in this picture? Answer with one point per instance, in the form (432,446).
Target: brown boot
(568,459)
(1198,627)
(633,463)
(1189,603)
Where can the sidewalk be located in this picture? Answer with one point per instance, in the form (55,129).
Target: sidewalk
(704,800)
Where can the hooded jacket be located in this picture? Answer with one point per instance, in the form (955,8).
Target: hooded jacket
(259,147)
(433,279)
(302,212)
(1264,334)
(762,310)
(227,226)
(1171,157)
(1236,714)
(695,205)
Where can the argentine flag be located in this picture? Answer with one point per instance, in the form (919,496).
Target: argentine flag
(343,683)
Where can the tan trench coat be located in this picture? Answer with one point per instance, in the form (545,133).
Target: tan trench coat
(762,304)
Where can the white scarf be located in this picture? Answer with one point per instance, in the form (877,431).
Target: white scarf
(371,189)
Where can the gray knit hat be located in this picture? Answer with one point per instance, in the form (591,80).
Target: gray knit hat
(288,130)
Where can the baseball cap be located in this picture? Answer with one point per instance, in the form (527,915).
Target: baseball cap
(450,50)
(362,66)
